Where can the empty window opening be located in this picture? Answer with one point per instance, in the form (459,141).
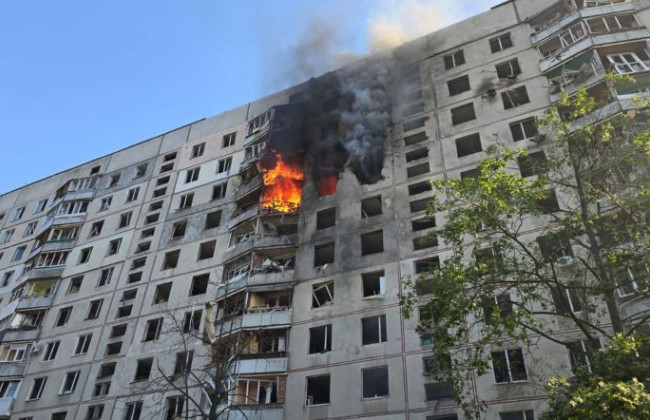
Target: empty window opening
(152,218)
(159,192)
(84,255)
(95,308)
(219,191)
(212,220)
(162,293)
(155,206)
(549,204)
(419,205)
(185,201)
(325,218)
(64,316)
(318,390)
(129,295)
(515,97)
(371,207)
(463,114)
(509,69)
(424,242)
(372,242)
(374,284)
(125,220)
(171,259)
(417,170)
(183,363)
(373,329)
(322,294)
(113,348)
(162,181)
(468,145)
(500,42)
(426,264)
(323,254)
(206,249)
(532,164)
(192,321)
(143,369)
(118,331)
(96,228)
(458,86)
(75,285)
(142,247)
(169,156)
(413,124)
(199,284)
(166,168)
(124,311)
(141,170)
(415,138)
(423,224)
(375,382)
(420,187)
(152,330)
(417,154)
(320,339)
(134,277)
(139,262)
(113,180)
(114,246)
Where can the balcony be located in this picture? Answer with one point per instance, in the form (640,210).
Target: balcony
(11,369)
(6,405)
(242,217)
(58,245)
(579,72)
(21,335)
(257,412)
(257,134)
(260,364)
(256,319)
(85,194)
(36,302)
(248,187)
(47,272)
(259,278)
(260,241)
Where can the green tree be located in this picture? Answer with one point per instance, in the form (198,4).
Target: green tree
(543,239)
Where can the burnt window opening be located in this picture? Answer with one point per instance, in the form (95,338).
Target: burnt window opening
(508,69)
(178,229)
(532,164)
(325,218)
(417,154)
(463,114)
(320,339)
(171,259)
(420,187)
(501,303)
(515,97)
(113,348)
(162,293)
(372,242)
(200,284)
(415,138)
(454,59)
(323,254)
(524,129)
(318,390)
(419,205)
(413,124)
(374,284)
(118,331)
(413,109)
(152,330)
(212,219)
(458,85)
(471,173)
(417,170)
(371,207)
(424,242)
(322,294)
(373,330)
(423,224)
(375,382)
(549,204)
(143,369)
(468,145)
(207,249)
(327,186)
(500,43)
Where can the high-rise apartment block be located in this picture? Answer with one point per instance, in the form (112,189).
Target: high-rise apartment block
(296,219)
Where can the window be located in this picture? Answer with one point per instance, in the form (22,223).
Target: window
(113,348)
(374,284)
(40,206)
(509,366)
(118,330)
(320,339)
(162,180)
(372,242)
(61,415)
(105,203)
(413,109)
(152,218)
(18,213)
(219,191)
(142,247)
(581,353)
(375,382)
(415,138)
(95,308)
(178,229)
(501,304)
(517,415)
(64,316)
(152,330)
(125,219)
(419,205)
(631,62)
(141,170)
(424,242)
(318,390)
(322,294)
(224,165)
(515,97)
(524,130)
(18,253)
(186,201)
(468,145)
(155,206)
(500,43)
(417,154)
(508,69)
(51,350)
(95,412)
(174,408)
(458,85)
(566,299)
(133,410)
(169,156)
(6,278)
(371,206)
(373,329)
(423,224)
(199,284)
(206,249)
(197,150)
(420,187)
(192,321)
(132,194)
(183,363)
(171,259)
(124,311)
(554,248)
(143,369)
(162,293)
(192,174)
(631,278)
(549,204)
(228,140)
(323,254)
(106,370)
(6,236)
(30,229)
(96,229)
(105,276)
(532,164)
(454,59)
(83,343)
(325,218)
(413,124)
(147,233)
(69,382)
(166,168)
(37,388)
(138,263)
(212,220)
(128,295)
(159,192)
(462,114)
(417,170)
(113,180)
(114,246)
(134,277)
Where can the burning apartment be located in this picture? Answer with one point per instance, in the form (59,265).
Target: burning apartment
(278,235)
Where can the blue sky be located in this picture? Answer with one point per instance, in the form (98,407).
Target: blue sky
(80,79)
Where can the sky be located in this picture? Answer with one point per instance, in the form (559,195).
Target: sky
(80,79)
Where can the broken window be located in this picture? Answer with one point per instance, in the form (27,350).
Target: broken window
(424,242)
(169,156)
(51,350)
(320,339)
(417,154)
(166,168)
(159,192)
(162,180)
(84,255)
(142,247)
(371,206)
(228,140)
(374,284)
(105,203)
(508,366)
(101,388)
(139,262)
(124,311)
(419,205)
(325,218)
(322,294)
(192,321)
(318,390)
(83,344)
(152,218)
(186,201)
(30,229)
(417,170)
(462,114)
(152,330)
(105,276)
(423,224)
(37,388)
(219,191)
(375,382)
(128,295)
(118,330)
(75,285)
(113,348)
(114,246)
(155,206)
(125,219)
(113,180)
(323,254)
(95,308)
(434,391)
(468,145)
(192,174)
(413,109)
(373,329)
(199,284)
(197,150)
(581,353)
(143,369)
(64,316)
(96,228)
(532,164)
(458,85)
(500,42)
(454,59)
(515,97)
(472,173)
(206,249)
(420,187)
(413,124)
(134,277)
(141,170)
(171,259)
(224,165)
(69,383)
(372,242)
(212,219)
(508,69)
(183,363)
(162,293)
(132,194)
(524,129)
(415,138)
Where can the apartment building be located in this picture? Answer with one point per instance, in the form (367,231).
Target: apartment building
(296,219)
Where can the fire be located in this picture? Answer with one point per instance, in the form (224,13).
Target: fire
(327,186)
(282,185)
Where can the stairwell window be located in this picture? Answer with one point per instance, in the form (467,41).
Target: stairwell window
(500,43)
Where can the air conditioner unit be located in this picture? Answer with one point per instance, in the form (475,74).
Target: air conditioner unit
(564,261)
(309,401)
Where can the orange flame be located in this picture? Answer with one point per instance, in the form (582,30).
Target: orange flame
(327,186)
(282,186)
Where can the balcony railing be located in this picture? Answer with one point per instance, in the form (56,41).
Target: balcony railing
(35,302)
(257,412)
(12,369)
(260,241)
(261,365)
(255,318)
(6,404)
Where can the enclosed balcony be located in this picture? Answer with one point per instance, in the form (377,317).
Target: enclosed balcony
(583,71)
(265,267)
(252,309)
(258,397)
(272,231)
(6,404)
(259,127)
(77,189)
